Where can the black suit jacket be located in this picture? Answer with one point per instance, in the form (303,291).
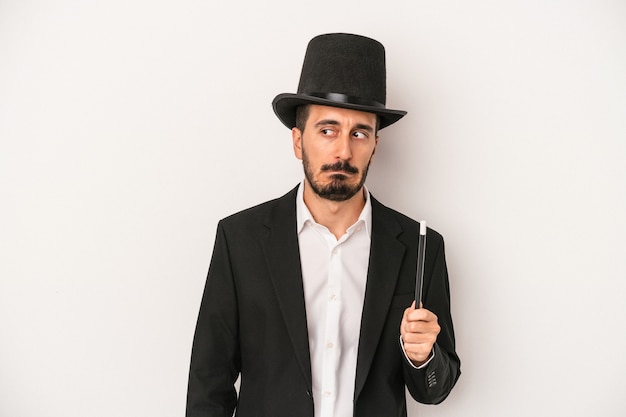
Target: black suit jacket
(252,320)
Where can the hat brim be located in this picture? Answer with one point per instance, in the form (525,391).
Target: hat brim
(285,106)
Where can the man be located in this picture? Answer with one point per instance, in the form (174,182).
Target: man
(309,297)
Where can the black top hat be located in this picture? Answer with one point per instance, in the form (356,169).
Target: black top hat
(341,70)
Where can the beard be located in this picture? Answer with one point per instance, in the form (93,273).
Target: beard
(338,189)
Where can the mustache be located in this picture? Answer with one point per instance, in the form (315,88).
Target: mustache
(342,166)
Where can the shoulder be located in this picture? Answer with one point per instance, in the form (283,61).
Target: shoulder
(261,213)
(407,224)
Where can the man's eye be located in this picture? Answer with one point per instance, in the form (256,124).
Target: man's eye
(360,135)
(327,132)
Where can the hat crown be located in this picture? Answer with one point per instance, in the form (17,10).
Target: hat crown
(341,70)
(347,64)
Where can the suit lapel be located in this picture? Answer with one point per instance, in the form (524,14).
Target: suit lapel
(386,254)
(282,253)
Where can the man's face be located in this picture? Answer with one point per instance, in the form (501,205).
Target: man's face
(336,149)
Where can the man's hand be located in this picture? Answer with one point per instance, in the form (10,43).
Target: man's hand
(419,330)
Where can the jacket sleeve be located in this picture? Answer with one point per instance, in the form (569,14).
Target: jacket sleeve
(215,358)
(432,383)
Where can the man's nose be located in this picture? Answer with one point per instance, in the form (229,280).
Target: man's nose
(344,147)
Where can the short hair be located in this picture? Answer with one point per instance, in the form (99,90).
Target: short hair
(302,115)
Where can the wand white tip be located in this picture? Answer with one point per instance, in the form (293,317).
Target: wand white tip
(423,227)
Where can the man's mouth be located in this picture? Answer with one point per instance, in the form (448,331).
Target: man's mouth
(339,168)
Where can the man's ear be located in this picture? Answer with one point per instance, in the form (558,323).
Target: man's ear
(374,151)
(296,136)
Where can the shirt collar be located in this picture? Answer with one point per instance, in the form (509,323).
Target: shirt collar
(303,215)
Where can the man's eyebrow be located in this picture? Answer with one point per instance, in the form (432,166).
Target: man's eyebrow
(365,127)
(327,122)
(332,122)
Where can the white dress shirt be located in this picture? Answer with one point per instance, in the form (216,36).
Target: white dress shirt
(334,275)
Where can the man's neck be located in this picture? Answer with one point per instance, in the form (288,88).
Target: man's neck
(337,216)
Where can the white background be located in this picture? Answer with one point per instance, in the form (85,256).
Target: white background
(128,128)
